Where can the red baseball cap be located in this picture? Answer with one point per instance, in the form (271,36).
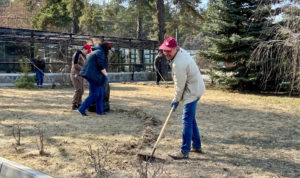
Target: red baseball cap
(168,44)
(109,45)
(88,47)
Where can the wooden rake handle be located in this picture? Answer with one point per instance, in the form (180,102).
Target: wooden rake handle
(162,130)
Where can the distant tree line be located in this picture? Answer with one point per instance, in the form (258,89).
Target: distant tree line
(250,44)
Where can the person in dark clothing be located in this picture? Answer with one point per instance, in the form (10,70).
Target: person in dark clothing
(95,72)
(39,68)
(78,60)
(160,66)
(92,107)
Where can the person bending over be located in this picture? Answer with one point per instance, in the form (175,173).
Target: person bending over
(78,60)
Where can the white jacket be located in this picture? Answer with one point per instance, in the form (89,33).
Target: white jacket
(188,81)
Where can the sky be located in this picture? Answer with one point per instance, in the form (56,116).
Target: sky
(204,3)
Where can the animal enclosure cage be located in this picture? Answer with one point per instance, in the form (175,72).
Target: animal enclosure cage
(130,55)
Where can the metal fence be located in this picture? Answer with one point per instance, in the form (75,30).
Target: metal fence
(63,67)
(57,49)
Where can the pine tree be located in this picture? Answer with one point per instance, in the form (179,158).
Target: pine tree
(233,32)
(89,21)
(53,16)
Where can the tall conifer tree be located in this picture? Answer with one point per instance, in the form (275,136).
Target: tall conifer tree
(233,30)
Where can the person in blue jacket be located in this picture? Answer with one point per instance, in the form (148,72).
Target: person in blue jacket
(39,68)
(94,71)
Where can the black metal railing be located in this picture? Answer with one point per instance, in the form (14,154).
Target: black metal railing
(15,67)
(59,67)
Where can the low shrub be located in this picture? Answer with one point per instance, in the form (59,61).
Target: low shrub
(26,80)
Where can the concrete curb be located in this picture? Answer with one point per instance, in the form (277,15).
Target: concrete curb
(13,85)
(9,169)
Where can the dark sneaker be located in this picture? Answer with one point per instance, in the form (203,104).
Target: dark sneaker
(197,150)
(178,155)
(82,113)
(74,107)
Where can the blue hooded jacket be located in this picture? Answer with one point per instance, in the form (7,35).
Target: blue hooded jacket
(92,67)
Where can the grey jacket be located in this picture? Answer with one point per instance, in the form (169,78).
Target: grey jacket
(188,81)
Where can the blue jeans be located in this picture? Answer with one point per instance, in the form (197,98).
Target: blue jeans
(190,131)
(39,78)
(96,95)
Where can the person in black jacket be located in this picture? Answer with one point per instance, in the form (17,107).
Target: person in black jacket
(160,66)
(39,68)
(94,71)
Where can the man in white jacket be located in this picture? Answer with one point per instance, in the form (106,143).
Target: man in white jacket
(189,87)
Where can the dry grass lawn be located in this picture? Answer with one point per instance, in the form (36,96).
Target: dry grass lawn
(243,135)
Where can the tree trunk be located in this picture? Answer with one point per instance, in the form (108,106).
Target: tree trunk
(140,28)
(139,36)
(75,26)
(75,15)
(161,20)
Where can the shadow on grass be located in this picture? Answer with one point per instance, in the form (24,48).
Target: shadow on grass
(63,152)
